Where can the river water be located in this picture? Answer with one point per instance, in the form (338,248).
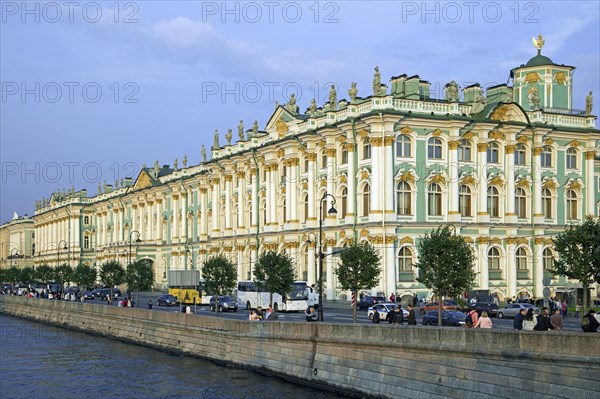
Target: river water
(40,361)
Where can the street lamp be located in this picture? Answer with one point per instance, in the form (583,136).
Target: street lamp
(59,248)
(314,244)
(131,241)
(331,211)
(13,253)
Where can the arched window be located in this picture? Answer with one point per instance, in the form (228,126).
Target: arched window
(434,148)
(403,146)
(434,200)
(572,204)
(344,205)
(547,203)
(548,259)
(493,201)
(464,151)
(86,242)
(305,206)
(344,155)
(520,203)
(367,148)
(323,160)
(263,211)
(521,259)
(493,153)
(546,157)
(403,199)
(464,200)
(520,154)
(493,259)
(405,260)
(366,200)
(86,220)
(571,158)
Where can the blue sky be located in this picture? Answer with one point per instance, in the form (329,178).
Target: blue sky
(93,90)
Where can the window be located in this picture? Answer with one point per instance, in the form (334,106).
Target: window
(86,220)
(547,203)
(344,155)
(493,202)
(366,200)
(493,153)
(263,211)
(434,197)
(344,206)
(305,203)
(403,199)
(284,207)
(521,259)
(494,259)
(520,203)
(323,160)
(434,148)
(572,204)
(403,146)
(548,259)
(305,164)
(283,174)
(367,148)
(571,158)
(464,151)
(546,157)
(520,155)
(405,259)
(86,242)
(464,200)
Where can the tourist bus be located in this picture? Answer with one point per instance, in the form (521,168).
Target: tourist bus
(250,296)
(191,294)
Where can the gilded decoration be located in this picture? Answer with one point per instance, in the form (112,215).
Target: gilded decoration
(495,240)
(330,152)
(468,240)
(453,145)
(522,241)
(510,148)
(438,178)
(574,143)
(343,234)
(560,78)
(496,135)
(405,130)
(469,179)
(228,178)
(322,182)
(240,174)
(436,133)
(343,178)
(482,240)
(311,156)
(376,141)
(364,233)
(510,240)
(482,147)
(550,183)
(389,140)
(522,140)
(406,240)
(281,127)
(280,153)
(362,133)
(304,185)
(590,155)
(349,147)
(539,241)
(469,135)
(363,174)
(524,183)
(500,112)
(575,185)
(407,177)
(537,151)
(549,142)
(532,77)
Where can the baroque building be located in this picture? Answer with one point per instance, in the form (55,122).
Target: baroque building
(17,246)
(508,169)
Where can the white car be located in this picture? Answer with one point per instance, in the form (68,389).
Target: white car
(384,309)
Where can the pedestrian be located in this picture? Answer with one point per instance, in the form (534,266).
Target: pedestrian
(577,309)
(398,315)
(376,316)
(564,309)
(411,319)
(253,316)
(557,320)
(530,320)
(415,300)
(150,304)
(188,310)
(519,318)
(484,321)
(472,317)
(259,313)
(589,322)
(272,315)
(310,314)
(392,298)
(543,321)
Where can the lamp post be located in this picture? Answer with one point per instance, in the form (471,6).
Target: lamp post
(331,211)
(314,244)
(59,248)
(131,242)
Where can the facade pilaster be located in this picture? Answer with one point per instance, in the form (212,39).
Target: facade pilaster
(215,204)
(511,267)
(351,180)
(536,190)
(482,214)
(241,176)
(312,201)
(293,183)
(228,200)
(509,195)
(377,188)
(590,189)
(453,211)
(330,153)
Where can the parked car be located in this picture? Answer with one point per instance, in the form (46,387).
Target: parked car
(369,301)
(89,295)
(452,318)
(225,304)
(490,307)
(384,310)
(448,305)
(514,308)
(167,300)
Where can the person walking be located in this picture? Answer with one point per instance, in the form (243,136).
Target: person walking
(564,307)
(484,321)
(398,315)
(556,320)
(519,318)
(589,322)
(472,317)
(392,298)
(376,316)
(530,320)
(577,309)
(411,319)
(543,321)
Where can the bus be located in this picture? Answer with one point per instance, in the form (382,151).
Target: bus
(191,294)
(249,296)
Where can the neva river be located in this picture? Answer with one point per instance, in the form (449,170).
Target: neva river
(40,361)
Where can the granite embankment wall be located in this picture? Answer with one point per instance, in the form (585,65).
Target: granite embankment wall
(362,360)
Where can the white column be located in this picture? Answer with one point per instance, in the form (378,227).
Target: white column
(312,202)
(215,204)
(228,200)
(268,197)
(376,175)
(330,152)
(328,263)
(537,185)
(390,267)
(203,212)
(311,279)
(538,286)
(241,199)
(511,269)
(484,276)
(254,182)
(590,189)
(274,193)
(388,175)
(159,220)
(509,195)
(293,188)
(175,213)
(351,180)
(453,211)
(288,190)
(482,214)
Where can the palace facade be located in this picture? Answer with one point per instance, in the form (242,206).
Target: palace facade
(508,169)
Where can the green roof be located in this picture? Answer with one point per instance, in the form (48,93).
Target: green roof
(539,60)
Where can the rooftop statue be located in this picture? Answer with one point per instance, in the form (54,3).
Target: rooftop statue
(185,161)
(332,98)
(291,104)
(203,151)
(589,104)
(254,128)
(228,136)
(452,92)
(175,164)
(99,188)
(216,145)
(353,91)
(116,184)
(538,43)
(240,128)
(377,82)
(534,98)
(478,102)
(312,108)
(156,169)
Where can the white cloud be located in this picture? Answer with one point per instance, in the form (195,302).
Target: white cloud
(184,32)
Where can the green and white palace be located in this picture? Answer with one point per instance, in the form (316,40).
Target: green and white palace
(508,168)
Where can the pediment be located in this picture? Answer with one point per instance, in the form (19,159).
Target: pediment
(144,180)
(280,121)
(507,113)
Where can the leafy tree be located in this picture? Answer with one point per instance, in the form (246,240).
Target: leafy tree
(219,276)
(359,269)
(27,275)
(63,274)
(578,248)
(445,265)
(12,276)
(139,277)
(111,274)
(84,276)
(44,274)
(275,272)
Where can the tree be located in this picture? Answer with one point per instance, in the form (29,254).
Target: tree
(63,274)
(84,276)
(359,269)
(219,276)
(578,248)
(445,265)
(27,275)
(139,277)
(275,272)
(44,274)
(112,274)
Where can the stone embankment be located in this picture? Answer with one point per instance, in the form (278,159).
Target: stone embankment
(360,360)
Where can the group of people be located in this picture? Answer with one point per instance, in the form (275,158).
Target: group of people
(397,316)
(260,315)
(528,321)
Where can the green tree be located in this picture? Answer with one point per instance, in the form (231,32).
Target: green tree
(445,265)
(275,272)
(359,269)
(84,276)
(44,274)
(139,277)
(219,276)
(13,275)
(63,274)
(578,248)
(112,274)
(27,275)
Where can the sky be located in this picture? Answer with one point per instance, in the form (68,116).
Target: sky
(91,91)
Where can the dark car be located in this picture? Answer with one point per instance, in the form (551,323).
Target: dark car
(89,295)
(490,307)
(167,300)
(225,304)
(369,301)
(452,318)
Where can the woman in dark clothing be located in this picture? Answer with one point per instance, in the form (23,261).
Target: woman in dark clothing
(411,318)
(543,321)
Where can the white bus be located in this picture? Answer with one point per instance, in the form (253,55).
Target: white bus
(249,296)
